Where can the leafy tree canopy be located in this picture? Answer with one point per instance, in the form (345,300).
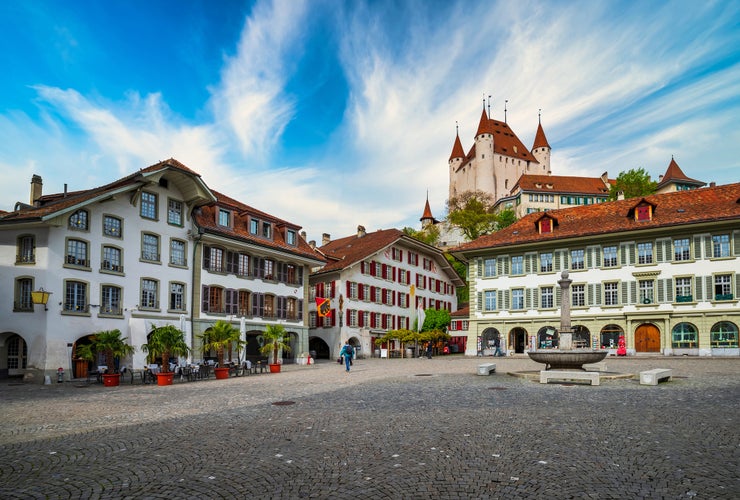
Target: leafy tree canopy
(436,320)
(472,212)
(428,235)
(633,183)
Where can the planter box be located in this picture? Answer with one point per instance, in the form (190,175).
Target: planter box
(165,378)
(111,379)
(222,373)
(274,368)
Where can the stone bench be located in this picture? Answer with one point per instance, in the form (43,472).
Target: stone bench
(547,375)
(595,367)
(652,377)
(486,369)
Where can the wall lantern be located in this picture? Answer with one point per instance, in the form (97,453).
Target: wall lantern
(40,296)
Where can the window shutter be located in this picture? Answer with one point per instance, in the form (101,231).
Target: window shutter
(360,319)
(708,247)
(625,298)
(699,289)
(632,255)
(669,289)
(393,296)
(333,317)
(556,258)
(300,309)
(500,300)
(597,254)
(591,292)
(204,299)
(528,298)
(347,283)
(507,299)
(408,300)
(558,296)
(333,289)
(384,271)
(566,259)
(736,242)
(661,291)
(697,247)
(623,248)
(633,292)
(527,264)
(660,253)
(206,257)
(535,298)
(479,263)
(710,292)
(737,287)
(590,258)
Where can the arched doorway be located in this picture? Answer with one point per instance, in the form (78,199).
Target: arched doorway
(518,339)
(486,345)
(647,338)
(547,337)
(610,336)
(81,367)
(581,336)
(318,348)
(15,352)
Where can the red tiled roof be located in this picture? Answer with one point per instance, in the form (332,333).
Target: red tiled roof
(675,174)
(540,141)
(463,312)
(679,208)
(427,212)
(207,217)
(561,184)
(505,141)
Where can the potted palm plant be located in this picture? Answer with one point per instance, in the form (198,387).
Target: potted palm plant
(166,341)
(111,345)
(218,337)
(274,335)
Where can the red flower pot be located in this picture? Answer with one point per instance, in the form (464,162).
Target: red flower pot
(111,379)
(274,368)
(221,373)
(165,378)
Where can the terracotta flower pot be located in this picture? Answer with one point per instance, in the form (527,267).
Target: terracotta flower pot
(221,373)
(274,368)
(165,378)
(111,379)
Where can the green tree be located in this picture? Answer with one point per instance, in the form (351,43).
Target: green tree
(274,336)
(436,320)
(463,292)
(218,337)
(472,212)
(428,235)
(166,341)
(110,344)
(505,218)
(633,183)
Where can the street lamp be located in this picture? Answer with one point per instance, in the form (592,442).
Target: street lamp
(40,296)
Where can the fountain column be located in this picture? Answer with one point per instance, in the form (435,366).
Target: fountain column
(565,334)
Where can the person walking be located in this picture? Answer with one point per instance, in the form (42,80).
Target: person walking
(347,352)
(429,350)
(497,345)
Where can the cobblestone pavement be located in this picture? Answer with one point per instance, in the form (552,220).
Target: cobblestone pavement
(400,428)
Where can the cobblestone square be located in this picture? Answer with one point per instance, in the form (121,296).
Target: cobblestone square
(398,428)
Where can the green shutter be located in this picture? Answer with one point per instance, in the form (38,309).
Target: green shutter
(480,301)
(669,289)
(528,264)
(623,249)
(528,298)
(633,292)
(625,298)
(699,289)
(500,301)
(709,288)
(590,258)
(697,247)
(708,247)
(535,298)
(556,259)
(661,290)
(479,262)
(660,251)
(736,242)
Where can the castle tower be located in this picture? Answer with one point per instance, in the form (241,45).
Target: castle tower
(427,219)
(541,150)
(456,160)
(484,173)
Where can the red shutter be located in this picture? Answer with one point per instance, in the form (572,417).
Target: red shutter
(333,317)
(360,291)
(360,319)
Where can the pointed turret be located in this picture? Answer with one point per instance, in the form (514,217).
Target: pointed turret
(427,218)
(457,149)
(485,126)
(540,141)
(675,180)
(541,149)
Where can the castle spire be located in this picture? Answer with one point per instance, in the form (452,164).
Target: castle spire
(457,149)
(484,127)
(540,141)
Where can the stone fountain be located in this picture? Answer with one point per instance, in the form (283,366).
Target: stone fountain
(566,357)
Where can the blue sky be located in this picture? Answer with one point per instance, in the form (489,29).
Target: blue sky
(332,114)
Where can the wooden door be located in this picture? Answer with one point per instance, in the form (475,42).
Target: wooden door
(647,339)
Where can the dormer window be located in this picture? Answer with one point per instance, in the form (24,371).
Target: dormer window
(545,225)
(78,220)
(643,212)
(254,226)
(290,237)
(267,230)
(224,218)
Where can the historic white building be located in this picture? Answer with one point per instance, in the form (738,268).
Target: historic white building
(129,256)
(661,270)
(376,282)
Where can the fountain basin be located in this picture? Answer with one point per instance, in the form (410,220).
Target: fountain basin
(567,360)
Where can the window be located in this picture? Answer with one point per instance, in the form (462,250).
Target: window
(546,295)
(290,237)
(545,262)
(576,259)
(112,259)
(78,220)
(721,245)
(645,253)
(267,269)
(213,259)
(646,292)
(610,256)
(723,287)
(489,268)
(174,212)
(426,264)
(77,253)
(110,300)
(517,299)
(352,290)
(293,308)
(26,247)
(75,296)
(684,336)
(269,310)
(17,353)
(23,289)
(150,247)
(244,299)
(177,297)
(224,217)
(683,290)
(490,300)
(149,205)
(578,295)
(352,318)
(642,213)
(397,254)
(681,249)
(112,226)
(149,294)
(723,334)
(177,253)
(517,264)
(254,226)
(267,230)
(611,294)
(242,265)
(213,299)
(413,258)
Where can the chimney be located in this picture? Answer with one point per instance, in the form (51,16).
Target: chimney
(312,244)
(36,188)
(303,234)
(660,177)
(325,239)
(620,195)
(712,184)
(360,231)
